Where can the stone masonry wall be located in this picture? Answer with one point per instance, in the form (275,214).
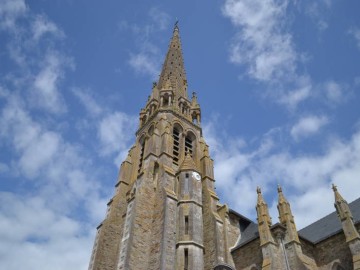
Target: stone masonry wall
(143,222)
(248,256)
(209,232)
(333,249)
(168,260)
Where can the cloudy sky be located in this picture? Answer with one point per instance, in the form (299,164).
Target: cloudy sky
(278,82)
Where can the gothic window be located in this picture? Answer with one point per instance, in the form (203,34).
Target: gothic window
(189,144)
(166,100)
(176,146)
(183,108)
(194,118)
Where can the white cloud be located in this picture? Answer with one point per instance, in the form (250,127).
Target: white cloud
(42,26)
(144,63)
(39,153)
(262,42)
(59,209)
(10,10)
(317,11)
(308,126)
(334,92)
(160,18)
(46,93)
(146,60)
(88,101)
(31,229)
(292,98)
(355,32)
(64,180)
(304,176)
(115,131)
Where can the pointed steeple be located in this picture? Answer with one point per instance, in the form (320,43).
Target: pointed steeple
(346,218)
(286,217)
(173,70)
(283,207)
(264,220)
(341,205)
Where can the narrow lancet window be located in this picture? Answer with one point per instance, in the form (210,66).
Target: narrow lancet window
(186,225)
(186,259)
(186,184)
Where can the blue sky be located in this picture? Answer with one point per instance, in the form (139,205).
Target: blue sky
(278,82)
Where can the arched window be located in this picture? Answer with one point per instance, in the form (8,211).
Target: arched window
(189,144)
(166,100)
(194,118)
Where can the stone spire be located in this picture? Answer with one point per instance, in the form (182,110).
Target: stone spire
(286,217)
(346,218)
(264,220)
(173,72)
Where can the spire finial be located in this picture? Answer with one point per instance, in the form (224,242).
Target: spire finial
(338,196)
(286,217)
(264,219)
(281,195)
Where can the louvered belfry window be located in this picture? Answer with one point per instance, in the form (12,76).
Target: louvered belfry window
(141,156)
(176,146)
(188,146)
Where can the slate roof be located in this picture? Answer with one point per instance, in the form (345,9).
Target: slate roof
(315,232)
(328,225)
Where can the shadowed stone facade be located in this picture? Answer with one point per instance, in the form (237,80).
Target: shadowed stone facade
(165,213)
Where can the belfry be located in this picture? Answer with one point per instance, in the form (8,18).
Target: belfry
(165,213)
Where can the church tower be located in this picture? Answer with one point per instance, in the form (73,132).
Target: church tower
(165,213)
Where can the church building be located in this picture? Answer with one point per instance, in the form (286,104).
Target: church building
(165,213)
